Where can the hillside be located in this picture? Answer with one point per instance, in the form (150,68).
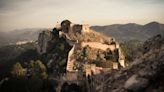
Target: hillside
(16,53)
(143,75)
(131,31)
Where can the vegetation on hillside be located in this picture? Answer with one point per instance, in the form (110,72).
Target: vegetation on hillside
(16,53)
(32,77)
(132,49)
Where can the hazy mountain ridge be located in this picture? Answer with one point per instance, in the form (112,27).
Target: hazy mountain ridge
(122,32)
(14,36)
(131,31)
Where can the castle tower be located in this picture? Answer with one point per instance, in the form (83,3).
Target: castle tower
(85,28)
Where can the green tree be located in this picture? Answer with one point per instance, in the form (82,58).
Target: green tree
(17,70)
(38,69)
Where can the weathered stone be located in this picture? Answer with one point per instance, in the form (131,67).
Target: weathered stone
(135,84)
(43,41)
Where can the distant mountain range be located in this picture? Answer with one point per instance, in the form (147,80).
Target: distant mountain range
(131,31)
(14,36)
(122,32)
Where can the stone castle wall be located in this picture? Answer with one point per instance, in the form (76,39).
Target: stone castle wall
(112,45)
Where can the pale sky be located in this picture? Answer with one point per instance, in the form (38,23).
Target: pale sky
(18,14)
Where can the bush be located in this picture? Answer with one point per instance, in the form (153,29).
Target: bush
(17,70)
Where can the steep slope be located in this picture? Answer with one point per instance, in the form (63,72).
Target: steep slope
(144,75)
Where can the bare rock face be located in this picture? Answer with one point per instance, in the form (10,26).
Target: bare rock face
(153,43)
(54,50)
(43,41)
(136,84)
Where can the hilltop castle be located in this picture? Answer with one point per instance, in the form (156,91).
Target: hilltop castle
(70,31)
(88,53)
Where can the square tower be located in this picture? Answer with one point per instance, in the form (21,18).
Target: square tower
(85,28)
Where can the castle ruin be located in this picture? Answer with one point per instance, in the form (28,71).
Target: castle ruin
(67,27)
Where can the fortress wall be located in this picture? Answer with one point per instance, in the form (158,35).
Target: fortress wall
(121,58)
(122,63)
(70,62)
(112,47)
(117,45)
(93,68)
(98,45)
(115,65)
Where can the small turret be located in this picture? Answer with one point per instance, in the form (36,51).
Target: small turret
(65,25)
(85,28)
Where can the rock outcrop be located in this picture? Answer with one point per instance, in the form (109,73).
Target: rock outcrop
(43,41)
(54,50)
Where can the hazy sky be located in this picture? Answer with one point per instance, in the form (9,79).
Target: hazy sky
(17,14)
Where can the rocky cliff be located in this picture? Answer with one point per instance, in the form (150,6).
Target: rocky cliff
(54,50)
